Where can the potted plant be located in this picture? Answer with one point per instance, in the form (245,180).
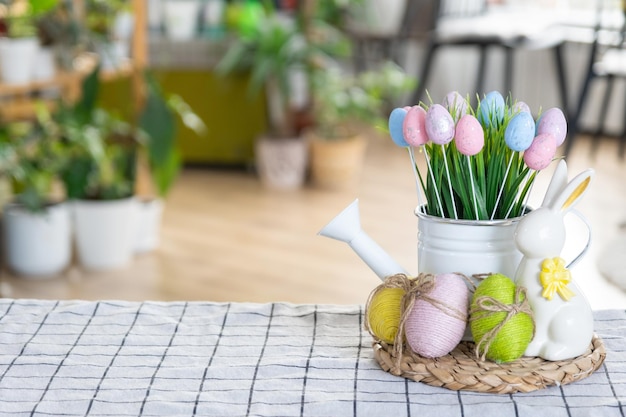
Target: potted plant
(342,104)
(37,231)
(19,44)
(110,24)
(481,164)
(279,52)
(99,178)
(157,136)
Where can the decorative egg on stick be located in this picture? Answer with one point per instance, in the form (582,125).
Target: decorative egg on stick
(456,105)
(538,156)
(518,136)
(491,109)
(469,139)
(414,129)
(553,121)
(397,119)
(440,130)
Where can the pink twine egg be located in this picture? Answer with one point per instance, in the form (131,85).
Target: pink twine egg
(469,136)
(414,126)
(431,332)
(541,151)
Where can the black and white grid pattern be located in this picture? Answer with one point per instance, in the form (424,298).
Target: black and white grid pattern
(208,359)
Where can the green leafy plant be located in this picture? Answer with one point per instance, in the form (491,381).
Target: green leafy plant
(32,158)
(272,49)
(100,145)
(341,99)
(22,16)
(157,125)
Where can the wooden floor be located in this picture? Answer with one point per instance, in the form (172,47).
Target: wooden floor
(226,238)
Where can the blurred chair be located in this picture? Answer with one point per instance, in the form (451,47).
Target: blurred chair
(470,23)
(607,61)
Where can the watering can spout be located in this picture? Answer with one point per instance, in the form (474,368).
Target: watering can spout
(346,227)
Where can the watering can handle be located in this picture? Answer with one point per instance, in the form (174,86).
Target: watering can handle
(584,250)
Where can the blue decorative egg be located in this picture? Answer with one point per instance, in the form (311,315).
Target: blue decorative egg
(520,132)
(396,120)
(491,109)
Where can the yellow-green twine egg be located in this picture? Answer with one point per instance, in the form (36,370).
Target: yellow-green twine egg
(510,342)
(384,313)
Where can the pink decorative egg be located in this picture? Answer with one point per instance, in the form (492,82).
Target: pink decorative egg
(469,136)
(439,125)
(541,151)
(553,121)
(431,332)
(520,107)
(456,104)
(414,126)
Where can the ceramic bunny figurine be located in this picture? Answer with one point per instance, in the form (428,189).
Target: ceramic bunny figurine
(563,317)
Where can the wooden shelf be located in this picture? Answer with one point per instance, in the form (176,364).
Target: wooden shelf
(19,101)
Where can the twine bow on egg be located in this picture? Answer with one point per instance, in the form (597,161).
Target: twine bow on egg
(486,306)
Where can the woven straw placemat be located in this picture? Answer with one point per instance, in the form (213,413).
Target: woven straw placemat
(461,370)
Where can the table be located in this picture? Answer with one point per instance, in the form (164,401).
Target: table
(113,358)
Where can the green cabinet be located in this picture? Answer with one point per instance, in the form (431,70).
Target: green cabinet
(233,118)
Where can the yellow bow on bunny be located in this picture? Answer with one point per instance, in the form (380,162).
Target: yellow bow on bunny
(554,277)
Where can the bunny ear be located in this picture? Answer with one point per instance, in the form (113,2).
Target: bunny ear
(557,184)
(573,191)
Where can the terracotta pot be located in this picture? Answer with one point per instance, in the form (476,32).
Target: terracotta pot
(336,163)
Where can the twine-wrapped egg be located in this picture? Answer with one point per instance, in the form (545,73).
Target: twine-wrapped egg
(436,323)
(384,312)
(501,319)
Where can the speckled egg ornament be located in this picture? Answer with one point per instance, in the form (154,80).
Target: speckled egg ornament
(436,322)
(501,319)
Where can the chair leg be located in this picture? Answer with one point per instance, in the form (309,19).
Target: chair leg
(508,70)
(560,72)
(423,78)
(604,108)
(610,80)
(576,112)
(622,142)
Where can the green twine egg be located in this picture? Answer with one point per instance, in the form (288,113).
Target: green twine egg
(510,342)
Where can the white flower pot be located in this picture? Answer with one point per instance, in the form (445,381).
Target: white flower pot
(281,163)
(148,228)
(104,232)
(17,58)
(181,19)
(382,18)
(38,245)
(113,54)
(467,246)
(45,64)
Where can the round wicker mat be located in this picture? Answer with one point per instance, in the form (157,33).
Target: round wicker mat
(460,370)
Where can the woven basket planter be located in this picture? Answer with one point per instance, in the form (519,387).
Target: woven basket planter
(461,370)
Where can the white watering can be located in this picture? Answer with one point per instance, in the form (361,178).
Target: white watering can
(346,227)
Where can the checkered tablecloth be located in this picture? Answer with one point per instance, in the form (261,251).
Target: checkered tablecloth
(112,358)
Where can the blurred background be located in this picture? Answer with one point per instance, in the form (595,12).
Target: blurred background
(192,149)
